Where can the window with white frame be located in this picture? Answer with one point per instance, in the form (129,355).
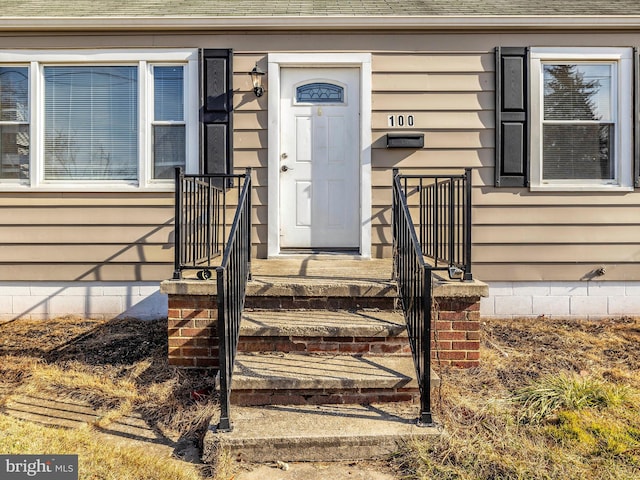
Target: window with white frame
(581,129)
(97,120)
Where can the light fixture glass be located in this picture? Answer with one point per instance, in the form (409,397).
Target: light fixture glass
(256,78)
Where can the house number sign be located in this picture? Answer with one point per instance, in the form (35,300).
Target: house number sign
(400,120)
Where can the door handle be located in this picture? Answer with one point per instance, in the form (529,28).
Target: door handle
(285,168)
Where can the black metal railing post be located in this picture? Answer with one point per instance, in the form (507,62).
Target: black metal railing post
(450,228)
(394,232)
(467,225)
(249,239)
(177,259)
(426,417)
(225,372)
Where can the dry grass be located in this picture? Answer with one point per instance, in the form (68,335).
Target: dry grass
(118,368)
(99,458)
(551,400)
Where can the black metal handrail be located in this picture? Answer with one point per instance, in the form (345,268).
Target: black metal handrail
(414,287)
(444,218)
(200,220)
(410,270)
(232,276)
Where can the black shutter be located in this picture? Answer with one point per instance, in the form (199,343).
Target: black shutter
(636,119)
(512,117)
(216,107)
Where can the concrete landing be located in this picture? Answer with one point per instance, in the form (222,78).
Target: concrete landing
(317,433)
(319,267)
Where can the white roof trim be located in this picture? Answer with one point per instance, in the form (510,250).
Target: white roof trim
(317,22)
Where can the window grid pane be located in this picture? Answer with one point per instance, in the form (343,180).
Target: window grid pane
(91,123)
(168,149)
(168,93)
(168,129)
(577,92)
(14,123)
(578,152)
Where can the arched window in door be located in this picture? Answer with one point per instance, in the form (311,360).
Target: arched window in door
(319,92)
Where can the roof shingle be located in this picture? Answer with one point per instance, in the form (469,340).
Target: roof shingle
(314,8)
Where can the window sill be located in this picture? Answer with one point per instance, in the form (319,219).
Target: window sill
(98,188)
(581,188)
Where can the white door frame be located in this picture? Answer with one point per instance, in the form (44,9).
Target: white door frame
(356,60)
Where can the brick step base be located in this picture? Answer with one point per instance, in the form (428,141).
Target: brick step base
(290,302)
(329,345)
(192,322)
(359,396)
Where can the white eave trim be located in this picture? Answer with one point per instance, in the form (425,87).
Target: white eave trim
(292,22)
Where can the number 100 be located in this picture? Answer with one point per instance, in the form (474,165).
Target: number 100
(401,121)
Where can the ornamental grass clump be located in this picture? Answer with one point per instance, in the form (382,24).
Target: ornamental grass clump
(567,392)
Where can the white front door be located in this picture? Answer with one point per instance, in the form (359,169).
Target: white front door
(320,159)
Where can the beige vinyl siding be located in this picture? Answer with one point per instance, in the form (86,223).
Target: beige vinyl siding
(86,237)
(445,80)
(451,97)
(250,141)
(89,237)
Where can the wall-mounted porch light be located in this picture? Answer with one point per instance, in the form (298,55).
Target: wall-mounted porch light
(256,78)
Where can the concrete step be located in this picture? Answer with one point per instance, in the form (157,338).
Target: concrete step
(317,433)
(335,293)
(293,379)
(323,323)
(338,332)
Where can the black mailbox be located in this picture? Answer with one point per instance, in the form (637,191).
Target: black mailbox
(405,140)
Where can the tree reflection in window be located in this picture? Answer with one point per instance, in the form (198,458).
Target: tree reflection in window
(320,93)
(578,122)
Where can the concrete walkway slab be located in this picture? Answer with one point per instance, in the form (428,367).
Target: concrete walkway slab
(54,412)
(315,471)
(72,413)
(317,433)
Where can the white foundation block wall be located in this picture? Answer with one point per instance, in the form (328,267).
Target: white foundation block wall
(143,300)
(589,300)
(99,300)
